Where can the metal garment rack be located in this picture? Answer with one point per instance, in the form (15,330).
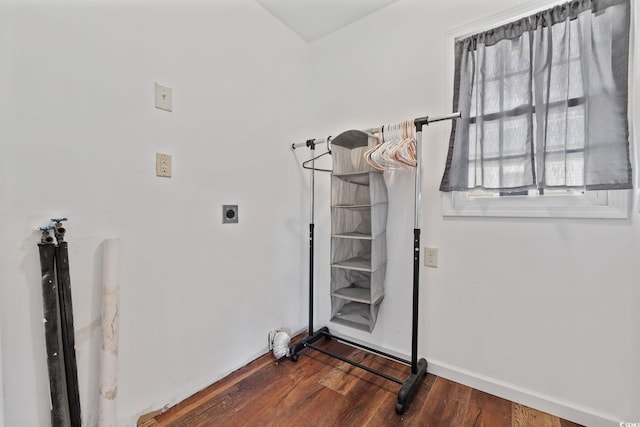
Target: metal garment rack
(410,386)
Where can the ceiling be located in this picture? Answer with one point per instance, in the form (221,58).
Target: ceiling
(312,19)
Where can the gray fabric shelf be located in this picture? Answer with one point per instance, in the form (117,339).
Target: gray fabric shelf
(353,293)
(360,178)
(358,240)
(357,263)
(353,235)
(354,314)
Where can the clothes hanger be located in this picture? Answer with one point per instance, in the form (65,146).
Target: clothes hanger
(392,154)
(381,153)
(376,153)
(368,155)
(304,164)
(389,150)
(405,152)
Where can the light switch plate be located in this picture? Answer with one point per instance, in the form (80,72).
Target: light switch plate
(163,165)
(164,97)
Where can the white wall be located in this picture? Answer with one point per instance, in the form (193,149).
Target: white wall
(198,297)
(4,110)
(79,136)
(539,311)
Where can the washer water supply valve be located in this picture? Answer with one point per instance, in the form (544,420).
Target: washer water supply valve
(46,235)
(58,231)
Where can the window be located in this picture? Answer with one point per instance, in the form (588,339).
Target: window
(544,110)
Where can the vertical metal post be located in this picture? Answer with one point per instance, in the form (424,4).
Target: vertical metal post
(416,251)
(418,182)
(311,236)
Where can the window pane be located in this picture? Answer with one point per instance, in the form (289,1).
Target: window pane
(492,97)
(516,91)
(491,139)
(575,170)
(516,131)
(512,172)
(575,128)
(564,169)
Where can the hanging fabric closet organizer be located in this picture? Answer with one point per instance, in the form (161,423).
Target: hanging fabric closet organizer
(358,250)
(358,239)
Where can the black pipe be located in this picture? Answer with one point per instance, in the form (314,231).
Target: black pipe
(369,349)
(55,364)
(67,332)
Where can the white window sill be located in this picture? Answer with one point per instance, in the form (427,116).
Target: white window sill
(593,204)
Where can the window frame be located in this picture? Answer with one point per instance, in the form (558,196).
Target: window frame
(604,204)
(612,204)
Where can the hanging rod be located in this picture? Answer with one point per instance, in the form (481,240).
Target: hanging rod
(419,122)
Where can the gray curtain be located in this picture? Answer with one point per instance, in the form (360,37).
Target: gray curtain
(544,102)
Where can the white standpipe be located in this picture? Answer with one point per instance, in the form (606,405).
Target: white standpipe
(1,384)
(110,335)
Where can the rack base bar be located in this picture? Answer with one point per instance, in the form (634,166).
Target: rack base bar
(410,387)
(369,349)
(356,364)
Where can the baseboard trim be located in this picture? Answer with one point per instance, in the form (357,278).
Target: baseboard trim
(558,407)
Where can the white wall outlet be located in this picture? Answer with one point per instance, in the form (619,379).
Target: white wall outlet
(431,257)
(164,97)
(163,165)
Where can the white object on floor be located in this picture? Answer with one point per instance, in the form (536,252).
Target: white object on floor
(279,341)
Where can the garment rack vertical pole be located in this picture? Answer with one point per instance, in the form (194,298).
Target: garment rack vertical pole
(312,148)
(410,386)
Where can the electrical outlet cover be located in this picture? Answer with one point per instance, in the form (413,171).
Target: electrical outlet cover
(163,165)
(229,214)
(431,257)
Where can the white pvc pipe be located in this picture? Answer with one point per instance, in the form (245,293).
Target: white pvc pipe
(1,384)
(110,335)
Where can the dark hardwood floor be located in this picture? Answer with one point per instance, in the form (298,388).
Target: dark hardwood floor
(322,391)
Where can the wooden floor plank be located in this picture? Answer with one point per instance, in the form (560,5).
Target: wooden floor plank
(236,398)
(288,404)
(370,394)
(524,416)
(386,415)
(486,410)
(323,391)
(200,398)
(448,403)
